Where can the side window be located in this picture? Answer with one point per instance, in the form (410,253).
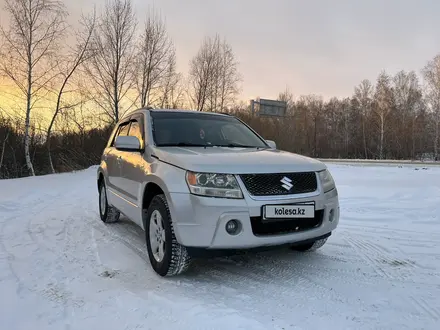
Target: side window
(122,131)
(135,130)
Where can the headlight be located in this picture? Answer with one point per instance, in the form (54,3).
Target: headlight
(326,180)
(213,185)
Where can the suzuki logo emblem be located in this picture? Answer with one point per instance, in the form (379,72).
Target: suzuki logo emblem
(287,183)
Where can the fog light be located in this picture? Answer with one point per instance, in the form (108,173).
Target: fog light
(233,227)
(331,215)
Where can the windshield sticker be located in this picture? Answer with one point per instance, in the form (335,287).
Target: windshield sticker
(202,134)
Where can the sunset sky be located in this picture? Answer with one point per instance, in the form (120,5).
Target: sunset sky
(314,46)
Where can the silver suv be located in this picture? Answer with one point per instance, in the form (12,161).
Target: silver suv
(201,183)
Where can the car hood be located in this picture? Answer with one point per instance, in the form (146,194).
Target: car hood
(236,160)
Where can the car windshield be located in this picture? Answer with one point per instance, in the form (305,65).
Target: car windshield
(202,130)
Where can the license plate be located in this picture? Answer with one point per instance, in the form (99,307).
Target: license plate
(289,211)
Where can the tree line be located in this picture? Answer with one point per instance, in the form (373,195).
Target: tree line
(116,63)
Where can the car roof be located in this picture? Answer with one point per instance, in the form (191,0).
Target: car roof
(188,111)
(144,110)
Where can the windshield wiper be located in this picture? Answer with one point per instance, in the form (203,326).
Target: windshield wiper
(189,144)
(183,144)
(236,145)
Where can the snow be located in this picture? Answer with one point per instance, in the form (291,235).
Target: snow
(62,268)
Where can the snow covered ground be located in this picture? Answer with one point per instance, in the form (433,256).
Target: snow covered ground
(61,268)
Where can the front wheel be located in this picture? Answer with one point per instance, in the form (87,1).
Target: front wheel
(167,256)
(309,247)
(107,213)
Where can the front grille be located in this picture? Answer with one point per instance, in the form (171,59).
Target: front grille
(272,184)
(285,226)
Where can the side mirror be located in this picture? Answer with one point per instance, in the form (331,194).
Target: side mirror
(128,143)
(271,144)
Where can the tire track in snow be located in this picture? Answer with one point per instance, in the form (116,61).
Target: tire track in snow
(11,254)
(408,252)
(125,234)
(387,264)
(56,288)
(248,272)
(244,276)
(250,290)
(114,234)
(380,229)
(365,252)
(424,308)
(317,262)
(271,276)
(9,257)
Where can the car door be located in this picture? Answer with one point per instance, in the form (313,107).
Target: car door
(133,167)
(114,161)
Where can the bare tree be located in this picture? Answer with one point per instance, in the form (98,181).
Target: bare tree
(5,140)
(74,60)
(214,75)
(229,78)
(408,98)
(287,97)
(155,56)
(112,65)
(171,89)
(36,27)
(364,95)
(316,107)
(201,71)
(383,106)
(431,74)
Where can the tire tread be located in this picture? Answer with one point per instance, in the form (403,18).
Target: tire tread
(112,214)
(180,259)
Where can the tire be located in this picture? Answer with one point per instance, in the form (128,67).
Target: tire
(309,247)
(107,213)
(159,231)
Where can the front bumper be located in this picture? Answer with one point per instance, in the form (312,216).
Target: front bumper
(200,221)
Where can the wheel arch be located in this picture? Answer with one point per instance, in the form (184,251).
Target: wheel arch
(153,187)
(100,174)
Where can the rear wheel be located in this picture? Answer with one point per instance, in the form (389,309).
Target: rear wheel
(107,213)
(309,247)
(167,256)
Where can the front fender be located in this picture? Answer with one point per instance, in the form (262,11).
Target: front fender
(169,179)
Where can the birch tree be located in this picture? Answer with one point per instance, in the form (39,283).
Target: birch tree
(111,69)
(364,96)
(431,74)
(383,105)
(35,30)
